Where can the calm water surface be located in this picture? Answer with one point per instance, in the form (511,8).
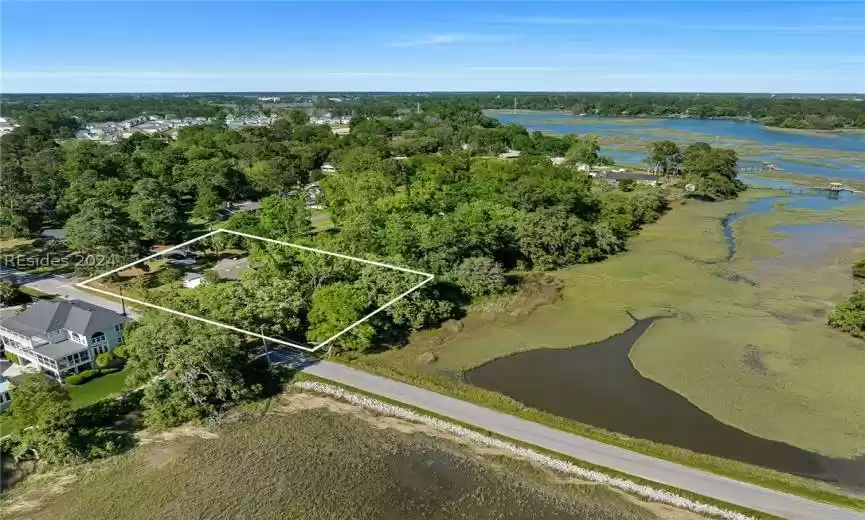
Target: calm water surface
(816,202)
(597,384)
(712,129)
(545,121)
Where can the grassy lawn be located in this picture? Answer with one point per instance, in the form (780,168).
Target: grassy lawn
(36,293)
(6,425)
(9,244)
(97,389)
(320,220)
(45,258)
(811,396)
(289,462)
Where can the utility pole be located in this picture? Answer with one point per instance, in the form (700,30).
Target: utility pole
(515,105)
(418,107)
(122,301)
(264,344)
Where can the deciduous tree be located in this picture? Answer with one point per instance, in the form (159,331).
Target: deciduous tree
(105,234)
(155,210)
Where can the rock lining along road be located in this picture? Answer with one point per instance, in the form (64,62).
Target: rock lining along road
(619,459)
(505,425)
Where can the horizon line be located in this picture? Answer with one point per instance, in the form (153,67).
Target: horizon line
(419,92)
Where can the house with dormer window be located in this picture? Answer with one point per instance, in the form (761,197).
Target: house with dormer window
(61,337)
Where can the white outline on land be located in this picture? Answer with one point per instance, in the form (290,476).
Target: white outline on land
(427,278)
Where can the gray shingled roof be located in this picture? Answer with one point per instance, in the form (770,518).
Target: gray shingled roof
(61,349)
(75,315)
(231,268)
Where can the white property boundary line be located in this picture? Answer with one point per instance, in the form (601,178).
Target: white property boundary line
(427,278)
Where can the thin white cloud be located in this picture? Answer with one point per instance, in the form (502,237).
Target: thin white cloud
(450,39)
(569,20)
(435,39)
(513,68)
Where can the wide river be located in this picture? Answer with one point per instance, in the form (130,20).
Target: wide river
(836,155)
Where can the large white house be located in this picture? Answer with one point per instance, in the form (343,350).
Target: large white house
(61,337)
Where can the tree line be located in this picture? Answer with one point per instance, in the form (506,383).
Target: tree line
(783,112)
(96,108)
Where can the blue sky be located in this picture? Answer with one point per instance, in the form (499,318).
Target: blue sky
(156,46)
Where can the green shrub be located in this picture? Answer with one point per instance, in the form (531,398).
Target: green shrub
(11,357)
(104,359)
(168,275)
(89,374)
(119,352)
(849,315)
(74,379)
(479,276)
(10,294)
(859,269)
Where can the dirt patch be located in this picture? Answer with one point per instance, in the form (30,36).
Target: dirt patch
(427,358)
(40,490)
(171,444)
(752,358)
(298,402)
(668,512)
(151,436)
(536,290)
(730,276)
(791,319)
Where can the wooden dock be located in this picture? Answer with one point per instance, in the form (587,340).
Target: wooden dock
(833,189)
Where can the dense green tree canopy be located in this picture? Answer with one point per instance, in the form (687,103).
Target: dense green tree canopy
(155,210)
(712,171)
(190,369)
(105,235)
(40,402)
(283,218)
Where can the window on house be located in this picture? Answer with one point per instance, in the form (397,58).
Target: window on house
(98,337)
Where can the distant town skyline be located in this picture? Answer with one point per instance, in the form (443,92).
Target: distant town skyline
(97,47)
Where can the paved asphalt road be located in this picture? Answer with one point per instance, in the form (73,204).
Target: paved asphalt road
(59,285)
(696,481)
(657,470)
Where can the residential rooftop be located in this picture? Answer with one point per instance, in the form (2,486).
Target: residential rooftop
(75,315)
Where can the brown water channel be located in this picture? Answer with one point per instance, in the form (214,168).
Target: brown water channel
(596,384)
